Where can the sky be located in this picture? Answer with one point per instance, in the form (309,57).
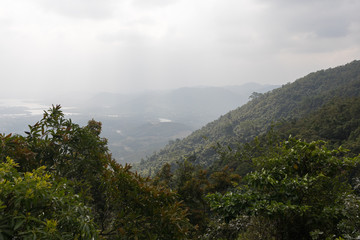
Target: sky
(50,47)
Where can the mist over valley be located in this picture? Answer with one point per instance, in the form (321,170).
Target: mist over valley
(136,125)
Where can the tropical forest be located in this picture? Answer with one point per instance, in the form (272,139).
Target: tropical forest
(283,166)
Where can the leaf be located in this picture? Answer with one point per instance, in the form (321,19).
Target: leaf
(18,224)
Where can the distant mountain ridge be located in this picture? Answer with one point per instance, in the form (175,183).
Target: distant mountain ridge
(136,125)
(194,106)
(291,101)
(185,108)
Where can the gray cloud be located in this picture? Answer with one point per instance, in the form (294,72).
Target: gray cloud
(88,9)
(311,26)
(91,45)
(319,16)
(153,3)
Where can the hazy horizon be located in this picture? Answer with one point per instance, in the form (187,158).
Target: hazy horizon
(135,125)
(37,103)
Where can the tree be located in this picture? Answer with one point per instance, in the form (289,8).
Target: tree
(124,204)
(136,209)
(34,206)
(67,150)
(302,193)
(221,181)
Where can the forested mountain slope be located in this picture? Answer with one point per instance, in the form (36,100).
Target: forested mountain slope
(291,101)
(336,122)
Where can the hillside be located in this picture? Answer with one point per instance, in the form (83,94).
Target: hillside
(193,106)
(291,101)
(336,122)
(136,124)
(145,139)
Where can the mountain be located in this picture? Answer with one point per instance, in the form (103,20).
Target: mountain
(136,124)
(291,101)
(135,129)
(193,106)
(145,139)
(337,123)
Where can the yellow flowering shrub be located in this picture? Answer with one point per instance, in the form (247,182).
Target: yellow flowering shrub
(33,206)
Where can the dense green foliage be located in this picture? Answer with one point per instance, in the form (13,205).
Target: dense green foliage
(302,192)
(291,101)
(124,205)
(192,183)
(34,206)
(135,209)
(337,122)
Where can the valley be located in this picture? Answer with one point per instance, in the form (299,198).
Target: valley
(136,125)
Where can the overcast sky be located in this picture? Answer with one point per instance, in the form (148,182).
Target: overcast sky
(56,46)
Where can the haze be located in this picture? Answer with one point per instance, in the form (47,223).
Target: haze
(78,46)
